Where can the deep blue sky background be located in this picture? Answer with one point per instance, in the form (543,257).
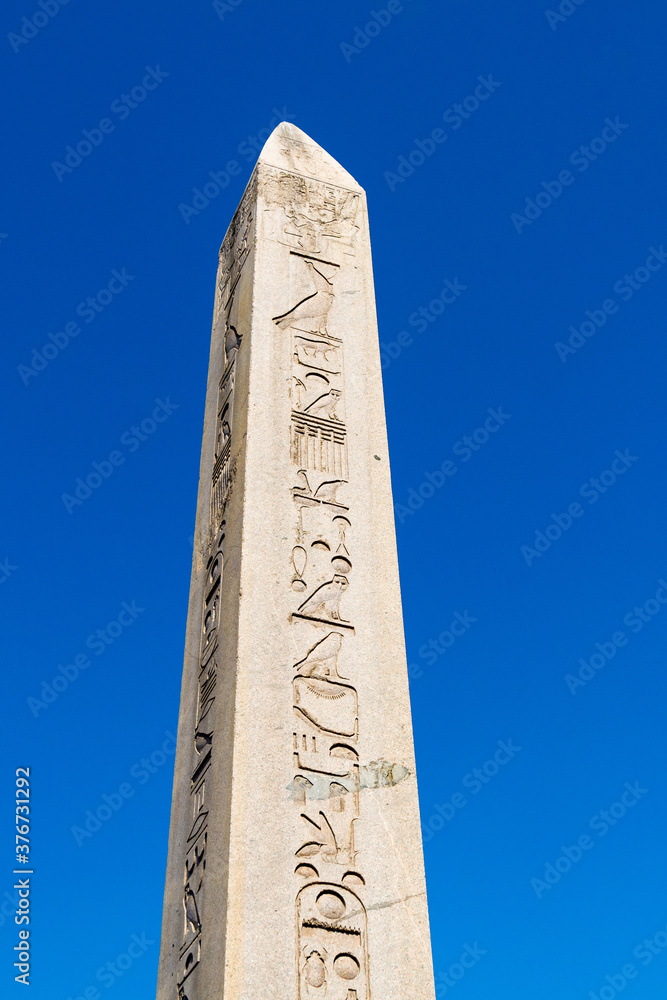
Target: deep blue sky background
(460,552)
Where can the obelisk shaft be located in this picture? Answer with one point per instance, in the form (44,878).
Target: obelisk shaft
(295,866)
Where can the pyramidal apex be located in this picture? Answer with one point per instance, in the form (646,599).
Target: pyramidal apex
(288,148)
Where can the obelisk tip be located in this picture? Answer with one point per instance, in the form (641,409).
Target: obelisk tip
(289,148)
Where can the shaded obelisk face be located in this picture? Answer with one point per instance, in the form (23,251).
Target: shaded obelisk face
(295,864)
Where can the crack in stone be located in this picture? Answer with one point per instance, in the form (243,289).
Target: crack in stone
(383,906)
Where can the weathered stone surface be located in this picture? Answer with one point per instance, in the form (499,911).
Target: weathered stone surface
(295,866)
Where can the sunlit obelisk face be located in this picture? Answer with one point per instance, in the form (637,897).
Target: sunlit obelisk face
(295,865)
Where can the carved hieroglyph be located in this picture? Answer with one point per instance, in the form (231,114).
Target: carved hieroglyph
(295,868)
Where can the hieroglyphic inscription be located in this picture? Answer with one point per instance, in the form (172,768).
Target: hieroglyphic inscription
(331,945)
(318,432)
(318,445)
(333,958)
(312,217)
(202,755)
(233,255)
(318,423)
(221,479)
(235,250)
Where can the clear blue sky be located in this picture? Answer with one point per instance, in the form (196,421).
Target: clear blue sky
(541,201)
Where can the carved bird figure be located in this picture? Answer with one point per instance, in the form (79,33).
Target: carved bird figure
(322,660)
(311,313)
(325,405)
(325,600)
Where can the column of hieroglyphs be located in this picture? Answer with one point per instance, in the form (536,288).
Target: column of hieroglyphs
(295,866)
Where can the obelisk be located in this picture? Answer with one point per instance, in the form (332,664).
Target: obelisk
(295,867)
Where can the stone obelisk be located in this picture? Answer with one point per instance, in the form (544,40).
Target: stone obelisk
(295,866)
